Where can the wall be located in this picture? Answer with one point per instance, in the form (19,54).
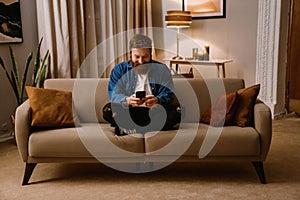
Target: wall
(30,42)
(233,37)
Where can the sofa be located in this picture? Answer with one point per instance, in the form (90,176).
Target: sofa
(92,139)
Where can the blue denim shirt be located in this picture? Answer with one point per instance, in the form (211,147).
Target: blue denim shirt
(123,81)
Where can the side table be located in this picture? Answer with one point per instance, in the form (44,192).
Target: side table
(219,63)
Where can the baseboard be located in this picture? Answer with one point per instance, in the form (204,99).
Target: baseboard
(279,115)
(6,137)
(286,115)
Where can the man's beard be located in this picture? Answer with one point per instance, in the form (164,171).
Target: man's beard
(141,68)
(134,65)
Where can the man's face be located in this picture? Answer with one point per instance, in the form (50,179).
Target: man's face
(140,56)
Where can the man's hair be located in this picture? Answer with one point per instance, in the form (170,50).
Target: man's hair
(140,41)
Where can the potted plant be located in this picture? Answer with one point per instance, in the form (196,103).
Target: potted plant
(39,72)
(18,83)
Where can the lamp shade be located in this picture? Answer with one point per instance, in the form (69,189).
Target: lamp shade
(178,18)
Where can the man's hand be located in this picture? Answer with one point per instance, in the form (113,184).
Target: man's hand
(150,101)
(133,101)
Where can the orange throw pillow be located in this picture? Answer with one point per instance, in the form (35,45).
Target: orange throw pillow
(51,108)
(245,105)
(221,116)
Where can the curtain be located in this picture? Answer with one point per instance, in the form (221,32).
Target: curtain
(86,38)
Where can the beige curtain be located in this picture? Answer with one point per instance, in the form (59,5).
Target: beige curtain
(87,38)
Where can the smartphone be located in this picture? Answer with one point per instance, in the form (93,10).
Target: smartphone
(140,94)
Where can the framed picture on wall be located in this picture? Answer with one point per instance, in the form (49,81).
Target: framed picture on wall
(203,9)
(10,22)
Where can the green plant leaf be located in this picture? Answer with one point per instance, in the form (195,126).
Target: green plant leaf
(15,70)
(28,60)
(12,83)
(38,77)
(15,87)
(14,63)
(43,77)
(36,63)
(45,58)
(41,74)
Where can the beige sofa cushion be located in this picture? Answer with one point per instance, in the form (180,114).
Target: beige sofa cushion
(90,95)
(233,141)
(206,91)
(80,141)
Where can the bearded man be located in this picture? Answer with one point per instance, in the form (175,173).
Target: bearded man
(155,110)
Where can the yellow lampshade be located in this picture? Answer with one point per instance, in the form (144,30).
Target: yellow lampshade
(178,18)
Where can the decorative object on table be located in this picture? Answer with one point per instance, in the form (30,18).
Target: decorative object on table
(195,54)
(201,55)
(10,22)
(204,9)
(178,19)
(206,52)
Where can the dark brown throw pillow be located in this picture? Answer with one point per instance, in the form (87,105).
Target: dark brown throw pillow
(220,115)
(245,105)
(51,108)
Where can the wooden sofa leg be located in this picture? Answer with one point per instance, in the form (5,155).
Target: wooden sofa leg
(259,168)
(28,171)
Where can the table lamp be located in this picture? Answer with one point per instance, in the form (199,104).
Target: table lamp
(178,19)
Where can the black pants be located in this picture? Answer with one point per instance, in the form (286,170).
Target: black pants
(143,119)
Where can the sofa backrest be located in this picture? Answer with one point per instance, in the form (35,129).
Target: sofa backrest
(204,92)
(196,95)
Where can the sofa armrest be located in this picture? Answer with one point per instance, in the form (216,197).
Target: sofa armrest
(263,124)
(23,128)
